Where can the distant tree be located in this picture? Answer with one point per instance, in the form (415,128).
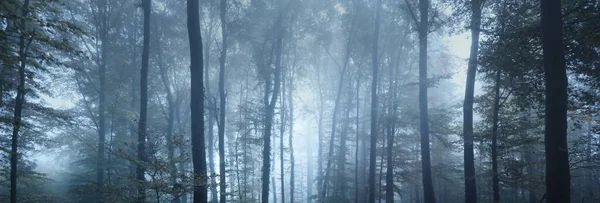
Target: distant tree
(374,106)
(222,102)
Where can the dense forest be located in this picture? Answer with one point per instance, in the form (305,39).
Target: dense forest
(313,101)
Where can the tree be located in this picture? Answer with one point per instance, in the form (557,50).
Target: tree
(19,101)
(423,111)
(222,100)
(555,135)
(197,102)
(141,147)
(270,107)
(374,106)
(469,156)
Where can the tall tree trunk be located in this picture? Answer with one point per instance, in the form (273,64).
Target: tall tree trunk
(291,131)
(141,147)
(214,197)
(19,101)
(320,139)
(389,184)
(341,178)
(197,102)
(557,157)
(356,160)
(495,121)
(103,32)
(212,116)
(222,100)
(374,105)
(469,156)
(423,111)
(270,108)
(281,135)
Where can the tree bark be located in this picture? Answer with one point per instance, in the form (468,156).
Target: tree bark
(557,157)
(374,106)
(141,147)
(197,102)
(469,156)
(423,111)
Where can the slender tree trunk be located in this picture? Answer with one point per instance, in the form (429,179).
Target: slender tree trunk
(222,100)
(495,121)
(197,102)
(212,117)
(141,147)
(320,139)
(103,32)
(356,160)
(389,184)
(19,102)
(374,106)
(341,179)
(291,131)
(423,111)
(281,135)
(211,140)
(469,157)
(270,108)
(557,157)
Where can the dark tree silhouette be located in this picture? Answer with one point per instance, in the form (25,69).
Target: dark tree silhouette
(557,155)
(197,102)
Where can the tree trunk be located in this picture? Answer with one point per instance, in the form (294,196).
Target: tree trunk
(270,108)
(374,106)
(389,184)
(495,121)
(222,100)
(469,156)
(103,32)
(557,157)
(141,147)
(356,160)
(320,139)
(19,101)
(197,102)
(281,135)
(291,136)
(428,193)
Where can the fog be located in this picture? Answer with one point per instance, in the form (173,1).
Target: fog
(316,101)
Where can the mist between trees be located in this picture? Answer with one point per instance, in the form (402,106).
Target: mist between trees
(315,101)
